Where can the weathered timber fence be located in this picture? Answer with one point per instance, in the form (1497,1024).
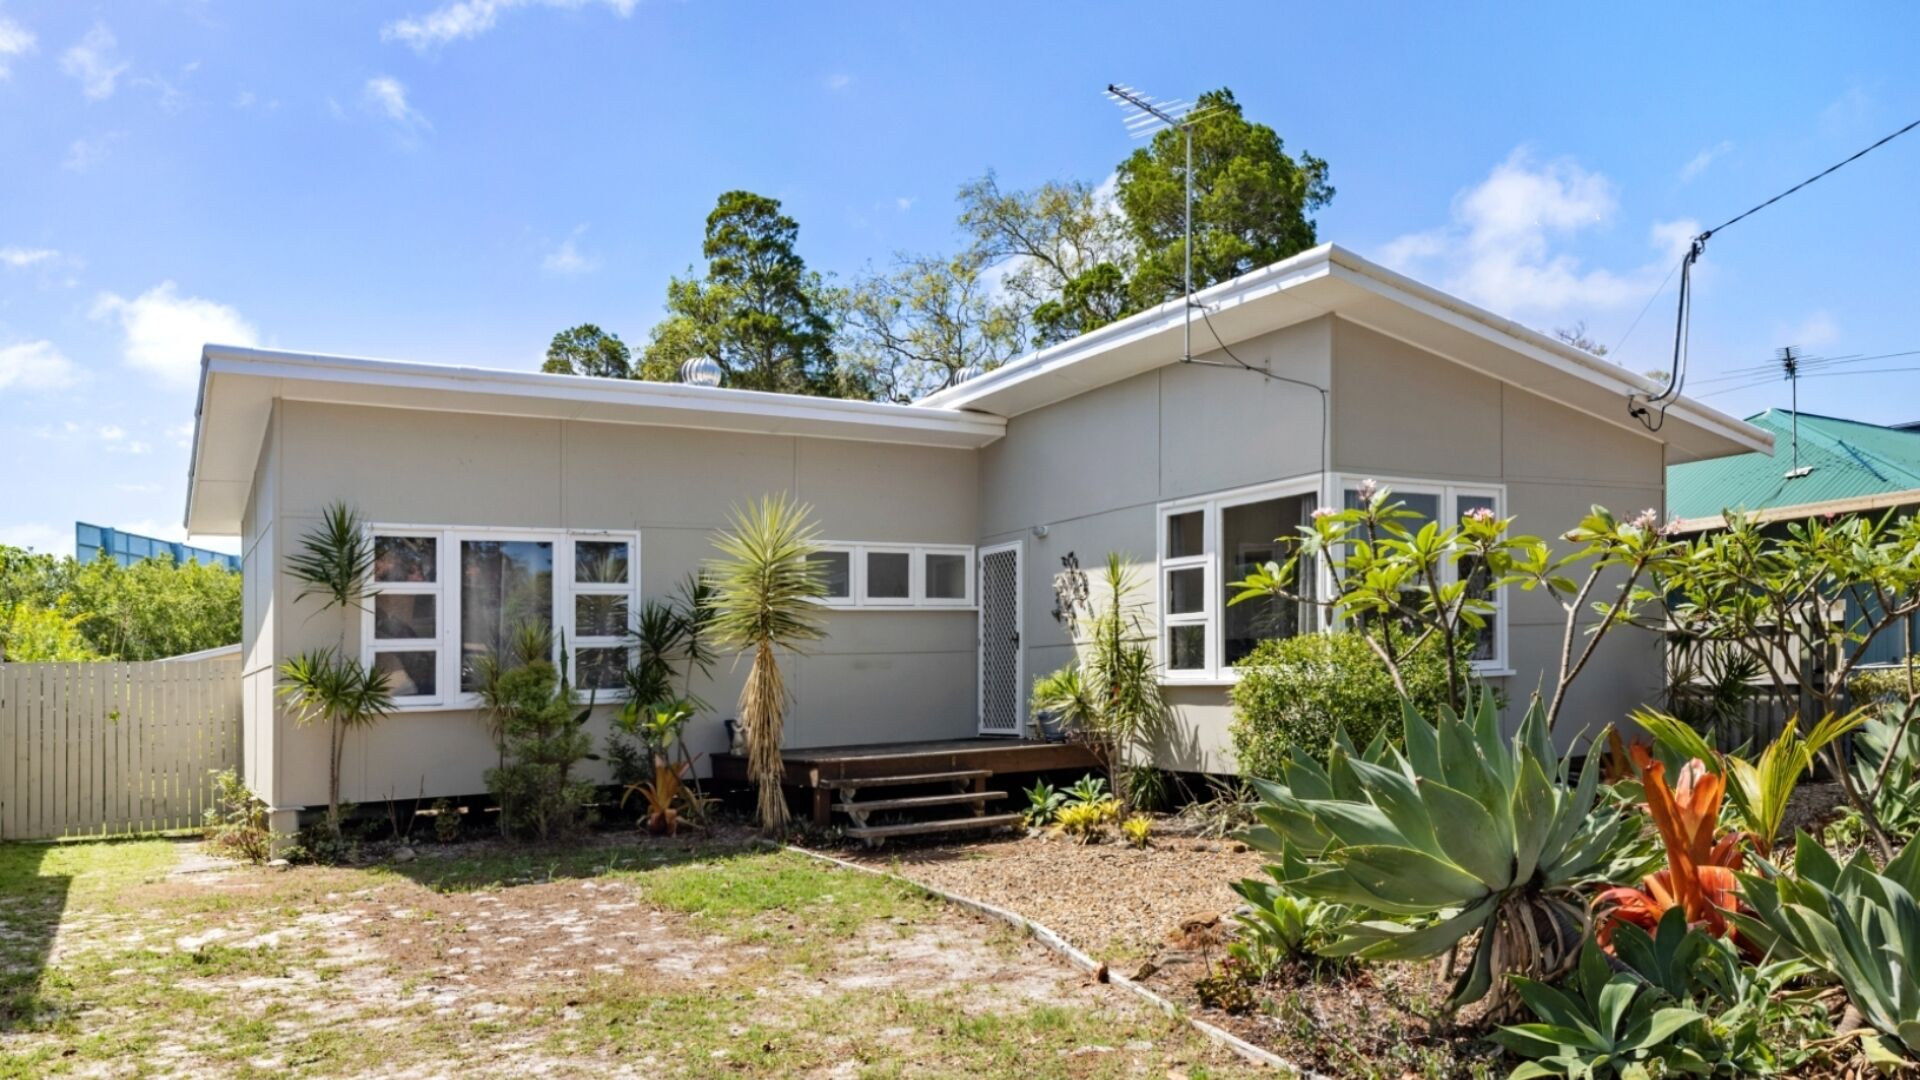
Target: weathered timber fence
(107,749)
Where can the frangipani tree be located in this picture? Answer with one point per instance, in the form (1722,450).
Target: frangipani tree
(1416,579)
(766,597)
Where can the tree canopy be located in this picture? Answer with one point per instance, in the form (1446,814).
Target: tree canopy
(759,312)
(60,609)
(588,350)
(1035,267)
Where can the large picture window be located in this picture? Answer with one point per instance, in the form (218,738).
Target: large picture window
(444,599)
(1207,544)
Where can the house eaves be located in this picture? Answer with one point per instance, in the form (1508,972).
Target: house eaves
(238,387)
(1330,280)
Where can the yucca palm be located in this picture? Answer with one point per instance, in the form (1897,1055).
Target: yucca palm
(766,597)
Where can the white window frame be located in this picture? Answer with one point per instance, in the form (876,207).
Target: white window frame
(916,598)
(448,541)
(370,647)
(1448,494)
(1211,506)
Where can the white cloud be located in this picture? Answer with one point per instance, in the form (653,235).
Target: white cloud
(904,203)
(38,536)
(1499,249)
(92,61)
(84,154)
(164,331)
(15,41)
(839,80)
(387,96)
(170,96)
(569,259)
(35,365)
(111,433)
(19,257)
(1700,161)
(464,19)
(181,434)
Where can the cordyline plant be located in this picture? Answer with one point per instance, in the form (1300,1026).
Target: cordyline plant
(1478,831)
(1419,581)
(1806,604)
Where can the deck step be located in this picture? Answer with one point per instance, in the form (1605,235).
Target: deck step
(917,801)
(873,834)
(856,783)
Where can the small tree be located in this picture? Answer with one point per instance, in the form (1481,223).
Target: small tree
(1805,605)
(334,563)
(1110,694)
(766,597)
(544,738)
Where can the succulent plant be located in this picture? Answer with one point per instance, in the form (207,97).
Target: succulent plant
(1466,830)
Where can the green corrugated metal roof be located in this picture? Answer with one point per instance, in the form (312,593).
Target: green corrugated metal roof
(1847,459)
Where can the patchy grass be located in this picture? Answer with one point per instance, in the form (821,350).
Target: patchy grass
(608,957)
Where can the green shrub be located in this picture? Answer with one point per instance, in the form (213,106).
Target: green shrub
(1882,684)
(538,795)
(236,823)
(1295,692)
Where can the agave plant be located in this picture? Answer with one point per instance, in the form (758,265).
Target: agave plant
(1859,927)
(1603,1024)
(1699,878)
(1279,926)
(1886,762)
(1469,828)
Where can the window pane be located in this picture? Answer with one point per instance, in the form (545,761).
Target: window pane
(600,669)
(409,674)
(599,616)
(889,574)
(1186,534)
(600,562)
(405,558)
(1186,648)
(1187,591)
(1249,538)
(946,577)
(1479,580)
(404,616)
(505,585)
(835,570)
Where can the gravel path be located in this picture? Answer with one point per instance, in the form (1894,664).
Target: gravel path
(1116,902)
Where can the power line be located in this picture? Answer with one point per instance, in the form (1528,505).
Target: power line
(1651,409)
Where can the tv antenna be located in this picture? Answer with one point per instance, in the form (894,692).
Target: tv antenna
(1149,117)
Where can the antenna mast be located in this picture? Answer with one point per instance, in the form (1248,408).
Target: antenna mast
(1149,117)
(1789,358)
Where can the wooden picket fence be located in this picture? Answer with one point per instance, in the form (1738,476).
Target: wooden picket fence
(110,749)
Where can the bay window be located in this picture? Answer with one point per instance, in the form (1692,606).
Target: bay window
(445,598)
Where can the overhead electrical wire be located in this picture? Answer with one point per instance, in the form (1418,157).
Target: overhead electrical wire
(1651,409)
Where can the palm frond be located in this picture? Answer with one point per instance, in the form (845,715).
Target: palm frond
(335,560)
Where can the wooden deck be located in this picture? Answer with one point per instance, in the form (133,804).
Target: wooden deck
(814,770)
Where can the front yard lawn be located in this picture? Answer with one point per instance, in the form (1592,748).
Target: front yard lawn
(612,957)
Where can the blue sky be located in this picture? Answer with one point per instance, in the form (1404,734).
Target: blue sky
(455,180)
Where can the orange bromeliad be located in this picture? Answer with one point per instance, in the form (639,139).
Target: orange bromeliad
(1700,874)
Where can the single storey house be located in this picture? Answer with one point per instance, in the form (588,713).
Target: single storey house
(501,495)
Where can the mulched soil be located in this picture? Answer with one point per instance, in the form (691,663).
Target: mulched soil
(1116,902)
(1162,916)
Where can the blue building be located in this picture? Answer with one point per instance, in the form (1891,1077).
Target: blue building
(128,548)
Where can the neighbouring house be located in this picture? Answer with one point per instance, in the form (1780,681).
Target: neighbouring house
(1821,466)
(501,495)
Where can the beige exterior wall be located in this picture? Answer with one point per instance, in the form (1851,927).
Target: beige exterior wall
(1094,468)
(1085,475)
(878,675)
